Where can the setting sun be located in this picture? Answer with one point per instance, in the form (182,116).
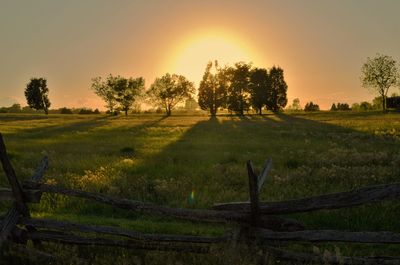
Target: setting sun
(191,56)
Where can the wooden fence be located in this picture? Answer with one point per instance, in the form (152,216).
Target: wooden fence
(258,221)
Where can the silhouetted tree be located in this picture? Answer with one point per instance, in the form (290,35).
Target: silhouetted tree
(126,90)
(169,90)
(105,91)
(379,74)
(295,105)
(238,92)
(277,98)
(364,106)
(393,102)
(259,86)
(213,89)
(310,106)
(36,93)
(340,106)
(343,106)
(65,111)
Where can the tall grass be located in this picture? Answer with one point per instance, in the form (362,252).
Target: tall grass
(165,160)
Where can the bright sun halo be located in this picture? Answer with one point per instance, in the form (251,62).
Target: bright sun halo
(191,57)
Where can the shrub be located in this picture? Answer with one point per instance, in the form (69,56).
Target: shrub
(65,111)
(310,106)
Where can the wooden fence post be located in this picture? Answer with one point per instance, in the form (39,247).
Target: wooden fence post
(264,173)
(253,190)
(12,179)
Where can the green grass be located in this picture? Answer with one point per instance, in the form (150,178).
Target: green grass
(162,160)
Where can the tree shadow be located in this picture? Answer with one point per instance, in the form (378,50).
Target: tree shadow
(309,156)
(177,156)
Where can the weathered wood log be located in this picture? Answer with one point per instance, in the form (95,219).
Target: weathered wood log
(270,222)
(339,200)
(53,236)
(39,172)
(8,224)
(254,196)
(263,176)
(32,196)
(116,231)
(308,258)
(12,179)
(329,235)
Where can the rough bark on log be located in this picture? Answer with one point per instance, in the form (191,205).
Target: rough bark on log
(356,197)
(32,196)
(270,222)
(8,224)
(308,258)
(329,235)
(39,172)
(53,236)
(264,173)
(116,231)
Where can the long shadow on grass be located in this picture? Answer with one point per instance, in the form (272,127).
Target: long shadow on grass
(77,145)
(309,157)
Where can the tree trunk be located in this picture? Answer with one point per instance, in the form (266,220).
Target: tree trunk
(213,110)
(126,112)
(383,102)
(260,111)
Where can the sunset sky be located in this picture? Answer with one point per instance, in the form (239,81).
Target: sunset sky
(321,45)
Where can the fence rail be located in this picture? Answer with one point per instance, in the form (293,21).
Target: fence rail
(257,220)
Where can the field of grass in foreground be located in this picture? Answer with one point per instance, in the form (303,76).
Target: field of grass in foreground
(163,159)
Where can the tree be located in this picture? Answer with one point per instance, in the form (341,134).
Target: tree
(126,90)
(15,108)
(310,106)
(393,102)
(238,92)
(277,98)
(105,91)
(340,106)
(191,104)
(213,89)
(296,104)
(259,86)
(343,106)
(379,74)
(377,103)
(169,90)
(118,91)
(36,93)
(65,111)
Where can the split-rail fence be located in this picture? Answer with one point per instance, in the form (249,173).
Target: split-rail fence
(258,222)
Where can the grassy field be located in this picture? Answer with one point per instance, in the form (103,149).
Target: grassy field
(164,159)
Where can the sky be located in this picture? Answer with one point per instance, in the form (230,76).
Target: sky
(320,44)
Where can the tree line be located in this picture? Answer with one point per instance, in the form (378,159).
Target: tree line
(242,87)
(237,88)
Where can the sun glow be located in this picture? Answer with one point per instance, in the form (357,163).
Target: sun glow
(191,56)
